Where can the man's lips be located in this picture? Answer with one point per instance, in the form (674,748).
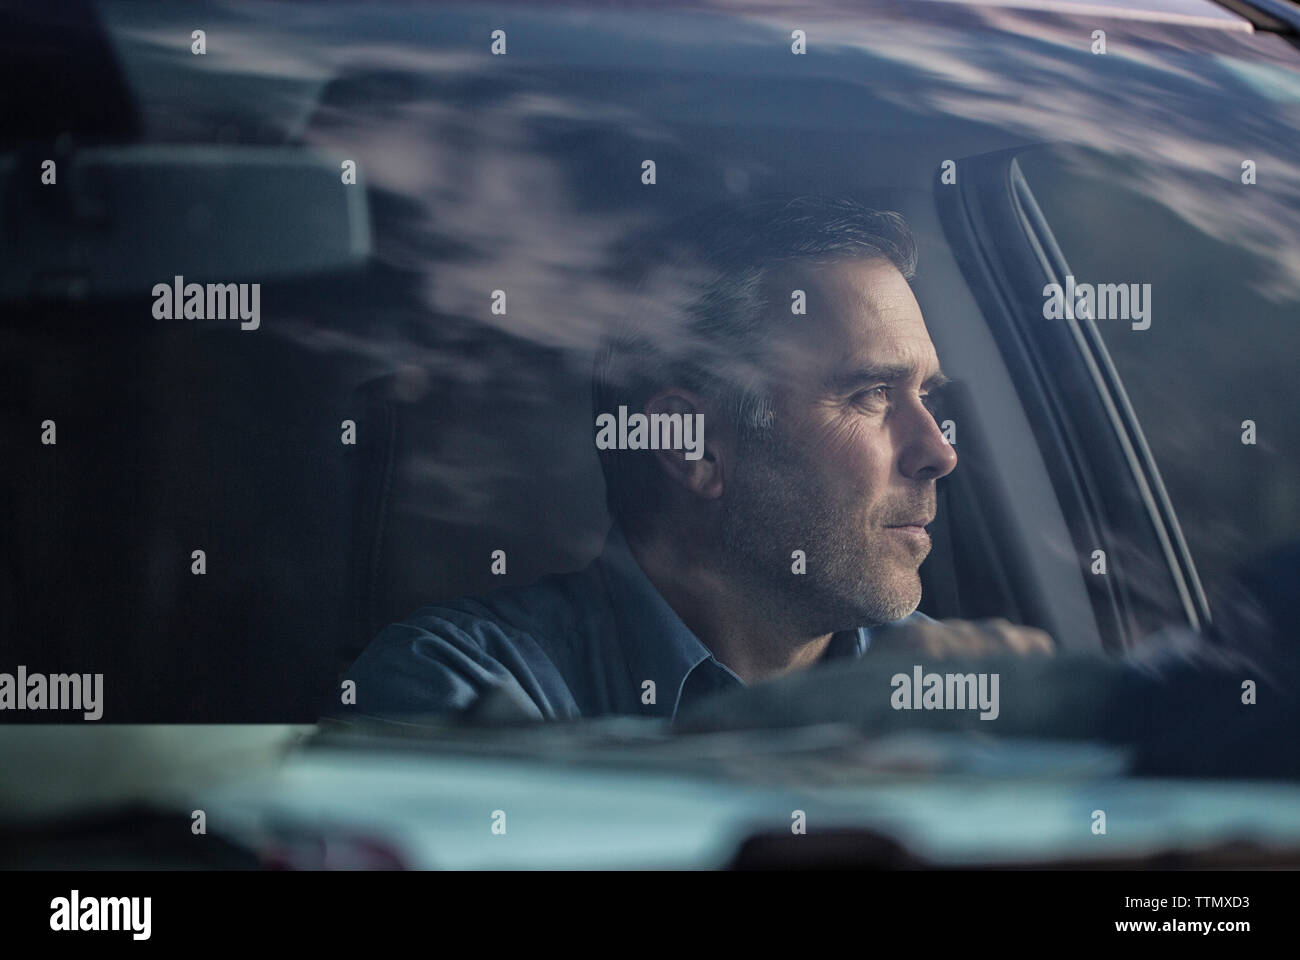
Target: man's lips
(914,533)
(920,522)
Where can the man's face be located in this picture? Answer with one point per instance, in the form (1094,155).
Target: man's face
(853,456)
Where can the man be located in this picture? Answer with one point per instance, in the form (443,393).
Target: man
(779,541)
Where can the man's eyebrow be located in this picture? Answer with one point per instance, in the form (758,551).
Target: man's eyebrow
(885,373)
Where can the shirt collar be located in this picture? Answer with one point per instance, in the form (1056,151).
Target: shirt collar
(661,648)
(658,645)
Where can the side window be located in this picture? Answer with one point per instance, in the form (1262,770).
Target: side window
(1196,296)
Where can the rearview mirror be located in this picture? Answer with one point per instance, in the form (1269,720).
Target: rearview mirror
(112,222)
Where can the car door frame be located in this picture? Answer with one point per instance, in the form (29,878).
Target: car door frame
(1101,466)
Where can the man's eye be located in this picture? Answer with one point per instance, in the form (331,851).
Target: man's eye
(872,396)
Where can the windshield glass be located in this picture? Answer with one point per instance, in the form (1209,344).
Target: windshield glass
(701,396)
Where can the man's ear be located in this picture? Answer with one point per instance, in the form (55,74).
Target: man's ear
(697,464)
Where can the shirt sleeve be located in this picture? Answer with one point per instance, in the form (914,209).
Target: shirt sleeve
(441,661)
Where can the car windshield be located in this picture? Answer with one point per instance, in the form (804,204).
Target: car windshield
(970,330)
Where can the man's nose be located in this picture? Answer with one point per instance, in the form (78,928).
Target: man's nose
(926,455)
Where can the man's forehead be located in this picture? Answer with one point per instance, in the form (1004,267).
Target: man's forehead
(860,315)
(860,281)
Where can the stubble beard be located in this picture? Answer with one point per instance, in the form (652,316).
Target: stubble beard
(774,506)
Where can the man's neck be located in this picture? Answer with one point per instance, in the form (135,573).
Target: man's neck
(742,632)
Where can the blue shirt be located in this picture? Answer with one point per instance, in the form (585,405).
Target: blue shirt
(570,645)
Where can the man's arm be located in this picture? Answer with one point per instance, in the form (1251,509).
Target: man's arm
(442,661)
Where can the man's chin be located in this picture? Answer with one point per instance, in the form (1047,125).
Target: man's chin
(868,610)
(905,610)
(902,601)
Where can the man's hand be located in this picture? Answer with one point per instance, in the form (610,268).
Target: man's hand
(956,638)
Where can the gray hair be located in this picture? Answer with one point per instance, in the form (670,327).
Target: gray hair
(709,328)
